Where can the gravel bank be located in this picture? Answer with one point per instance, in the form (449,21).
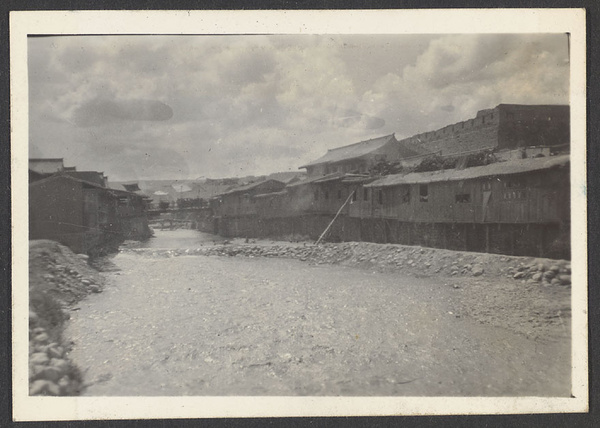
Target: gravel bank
(530,296)
(416,260)
(526,295)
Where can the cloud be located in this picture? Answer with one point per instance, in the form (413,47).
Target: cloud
(99,112)
(355,119)
(229,105)
(455,76)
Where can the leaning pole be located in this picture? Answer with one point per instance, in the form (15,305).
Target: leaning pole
(334,218)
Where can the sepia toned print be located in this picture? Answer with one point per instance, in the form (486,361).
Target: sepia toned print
(302,215)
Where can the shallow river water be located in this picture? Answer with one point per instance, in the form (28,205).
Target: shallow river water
(208,325)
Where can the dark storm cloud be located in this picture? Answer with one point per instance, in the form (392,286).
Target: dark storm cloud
(101,112)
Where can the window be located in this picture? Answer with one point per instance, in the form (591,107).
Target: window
(365,194)
(339,195)
(487,185)
(514,188)
(354,196)
(514,194)
(423,193)
(316,195)
(123,200)
(380,196)
(463,198)
(514,184)
(405,194)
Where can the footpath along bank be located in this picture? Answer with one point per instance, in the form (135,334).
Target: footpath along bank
(526,295)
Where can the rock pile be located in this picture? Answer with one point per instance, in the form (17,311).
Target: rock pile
(58,278)
(50,372)
(418,261)
(544,272)
(66,276)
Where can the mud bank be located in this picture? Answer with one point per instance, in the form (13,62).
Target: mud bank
(58,278)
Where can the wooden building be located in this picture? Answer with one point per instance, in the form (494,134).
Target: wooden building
(362,156)
(240,202)
(74,212)
(517,202)
(83,215)
(518,207)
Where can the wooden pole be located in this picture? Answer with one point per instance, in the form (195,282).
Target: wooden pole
(334,218)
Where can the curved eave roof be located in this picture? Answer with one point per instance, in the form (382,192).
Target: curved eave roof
(352,151)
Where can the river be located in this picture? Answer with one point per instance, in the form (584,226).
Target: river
(209,325)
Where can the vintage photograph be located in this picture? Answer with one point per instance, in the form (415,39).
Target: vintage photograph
(300,215)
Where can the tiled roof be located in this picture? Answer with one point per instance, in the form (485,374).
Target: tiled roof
(90,176)
(250,186)
(352,151)
(495,169)
(332,176)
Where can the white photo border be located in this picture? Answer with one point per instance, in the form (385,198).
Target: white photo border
(447,21)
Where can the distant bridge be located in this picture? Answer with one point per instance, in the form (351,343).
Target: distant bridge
(174,218)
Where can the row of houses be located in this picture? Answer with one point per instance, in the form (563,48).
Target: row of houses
(496,183)
(81,209)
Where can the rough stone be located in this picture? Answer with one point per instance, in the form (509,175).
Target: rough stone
(64,384)
(39,358)
(60,364)
(33,317)
(55,351)
(41,338)
(565,279)
(477,270)
(38,387)
(537,276)
(53,389)
(519,275)
(50,373)
(34,370)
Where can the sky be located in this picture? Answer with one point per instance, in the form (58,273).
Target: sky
(185,107)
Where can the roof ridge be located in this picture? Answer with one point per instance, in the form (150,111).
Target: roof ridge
(61,174)
(360,142)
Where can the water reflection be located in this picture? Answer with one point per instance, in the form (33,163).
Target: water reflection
(178,239)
